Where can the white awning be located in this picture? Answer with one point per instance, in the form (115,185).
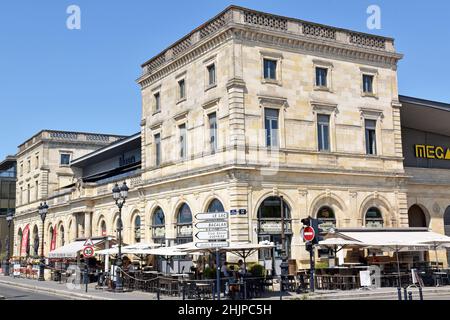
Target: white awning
(407,240)
(71,250)
(138,249)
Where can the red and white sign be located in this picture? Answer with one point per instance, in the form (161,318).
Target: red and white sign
(25,239)
(88,252)
(308,233)
(88,243)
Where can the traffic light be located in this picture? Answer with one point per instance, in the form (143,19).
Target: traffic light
(319,232)
(306,221)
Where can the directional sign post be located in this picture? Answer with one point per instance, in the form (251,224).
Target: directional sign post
(207,245)
(212,235)
(212,216)
(212,225)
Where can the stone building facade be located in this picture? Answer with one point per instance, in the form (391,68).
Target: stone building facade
(43,171)
(248,109)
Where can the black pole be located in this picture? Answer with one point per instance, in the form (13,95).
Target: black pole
(217,274)
(8,253)
(42,264)
(399,292)
(119,286)
(312,266)
(410,295)
(86,271)
(405,293)
(420,293)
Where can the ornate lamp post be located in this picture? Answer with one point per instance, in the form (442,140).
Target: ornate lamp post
(9,219)
(43,210)
(120,195)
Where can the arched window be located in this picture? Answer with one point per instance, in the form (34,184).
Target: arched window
(447,229)
(184,225)
(62,241)
(35,241)
(158,226)
(269,226)
(416,217)
(103,230)
(50,238)
(215,206)
(374,219)
(137,229)
(20,236)
(326,214)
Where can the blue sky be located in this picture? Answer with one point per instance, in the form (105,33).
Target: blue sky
(84,80)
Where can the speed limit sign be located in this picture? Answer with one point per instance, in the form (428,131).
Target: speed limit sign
(88,251)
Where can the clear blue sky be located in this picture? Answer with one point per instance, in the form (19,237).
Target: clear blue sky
(84,80)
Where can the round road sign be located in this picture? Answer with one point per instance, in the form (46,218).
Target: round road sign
(88,252)
(308,234)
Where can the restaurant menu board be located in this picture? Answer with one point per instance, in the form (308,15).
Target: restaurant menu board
(365,280)
(16,270)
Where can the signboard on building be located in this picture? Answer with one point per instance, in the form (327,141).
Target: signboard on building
(432,152)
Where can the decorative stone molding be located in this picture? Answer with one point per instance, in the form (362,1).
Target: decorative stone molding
(324,107)
(211,103)
(371,113)
(267,101)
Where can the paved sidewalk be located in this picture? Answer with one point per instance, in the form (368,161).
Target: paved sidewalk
(76,292)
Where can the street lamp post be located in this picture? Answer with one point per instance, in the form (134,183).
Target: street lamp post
(9,218)
(43,210)
(120,195)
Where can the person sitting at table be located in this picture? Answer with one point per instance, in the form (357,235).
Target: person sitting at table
(224,270)
(241,270)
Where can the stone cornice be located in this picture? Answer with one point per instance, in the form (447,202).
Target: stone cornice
(287,33)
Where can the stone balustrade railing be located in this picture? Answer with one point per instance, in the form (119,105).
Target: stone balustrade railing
(242,16)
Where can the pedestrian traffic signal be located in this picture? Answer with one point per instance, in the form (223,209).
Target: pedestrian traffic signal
(319,232)
(306,221)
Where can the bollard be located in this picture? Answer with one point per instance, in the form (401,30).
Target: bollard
(399,291)
(410,296)
(405,293)
(184,291)
(420,293)
(157,294)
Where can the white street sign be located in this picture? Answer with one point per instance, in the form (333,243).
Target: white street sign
(212,235)
(212,225)
(219,244)
(211,216)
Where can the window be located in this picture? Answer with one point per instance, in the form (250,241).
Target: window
(212,132)
(21,169)
(157,98)
(323,131)
(29,165)
(21,196)
(182,89)
(184,225)
(371,140)
(215,206)
(65,159)
(158,149)
(158,226)
(211,74)
(37,162)
(321,77)
(137,229)
(182,141)
(36,191)
(374,219)
(367,83)
(270,69)
(103,228)
(271,126)
(326,214)
(28,193)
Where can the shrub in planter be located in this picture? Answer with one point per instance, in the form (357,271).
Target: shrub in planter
(209,273)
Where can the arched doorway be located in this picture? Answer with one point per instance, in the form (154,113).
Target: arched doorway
(158,226)
(19,238)
(374,218)
(269,229)
(215,206)
(416,217)
(447,229)
(103,230)
(184,224)
(62,240)
(35,241)
(137,229)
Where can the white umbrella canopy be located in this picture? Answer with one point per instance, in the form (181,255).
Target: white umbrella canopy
(331,242)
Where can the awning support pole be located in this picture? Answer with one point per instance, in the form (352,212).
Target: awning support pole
(398,268)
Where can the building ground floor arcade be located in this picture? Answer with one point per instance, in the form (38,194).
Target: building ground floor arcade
(164,212)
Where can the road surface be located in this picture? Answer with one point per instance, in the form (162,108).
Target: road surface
(16,293)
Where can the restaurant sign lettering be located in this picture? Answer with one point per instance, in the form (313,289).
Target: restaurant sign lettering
(432,152)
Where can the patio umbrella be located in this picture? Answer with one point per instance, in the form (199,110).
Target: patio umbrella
(442,242)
